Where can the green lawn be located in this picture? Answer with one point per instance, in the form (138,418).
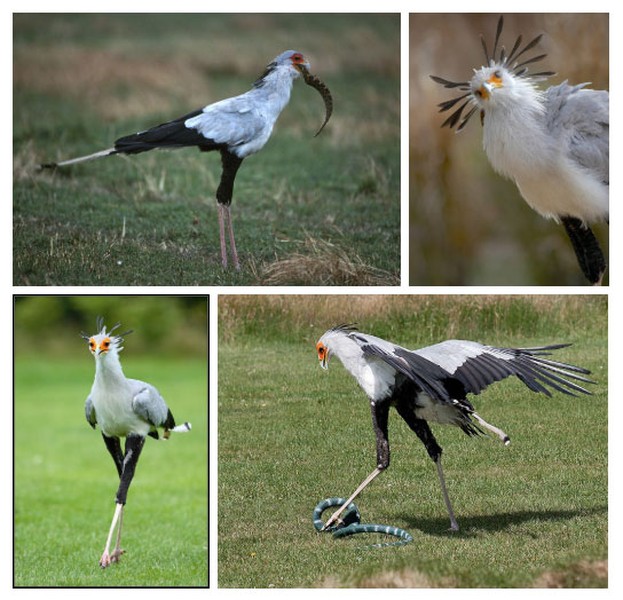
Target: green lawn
(532,513)
(65,481)
(306,210)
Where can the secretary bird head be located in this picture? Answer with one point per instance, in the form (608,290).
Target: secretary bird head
(104,342)
(300,66)
(500,80)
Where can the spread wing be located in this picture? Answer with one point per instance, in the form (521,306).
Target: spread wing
(477,366)
(437,369)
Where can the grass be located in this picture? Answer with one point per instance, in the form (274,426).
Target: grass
(151,219)
(532,514)
(65,482)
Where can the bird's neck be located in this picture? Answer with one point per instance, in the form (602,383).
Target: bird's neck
(514,132)
(375,378)
(274,89)
(108,370)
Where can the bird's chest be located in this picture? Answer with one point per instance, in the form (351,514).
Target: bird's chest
(513,147)
(376,379)
(112,401)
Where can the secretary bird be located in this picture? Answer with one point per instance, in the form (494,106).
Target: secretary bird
(127,408)
(432,384)
(554,144)
(236,127)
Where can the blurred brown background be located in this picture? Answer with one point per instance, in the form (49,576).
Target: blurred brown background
(468,225)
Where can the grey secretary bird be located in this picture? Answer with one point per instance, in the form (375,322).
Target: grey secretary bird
(236,127)
(126,408)
(432,384)
(554,144)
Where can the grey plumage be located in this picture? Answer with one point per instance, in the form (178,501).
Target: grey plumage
(235,127)
(579,119)
(123,408)
(554,144)
(433,384)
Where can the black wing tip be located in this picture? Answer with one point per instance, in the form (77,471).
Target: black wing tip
(345,327)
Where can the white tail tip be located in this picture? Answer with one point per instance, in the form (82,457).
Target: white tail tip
(182,428)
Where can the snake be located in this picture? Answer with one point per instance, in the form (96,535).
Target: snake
(323,90)
(351,524)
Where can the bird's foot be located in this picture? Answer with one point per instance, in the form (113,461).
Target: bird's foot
(454,527)
(116,555)
(107,559)
(334,521)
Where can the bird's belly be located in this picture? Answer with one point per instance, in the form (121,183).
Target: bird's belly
(438,412)
(115,416)
(570,193)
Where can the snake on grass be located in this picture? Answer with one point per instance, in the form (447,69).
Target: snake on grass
(351,524)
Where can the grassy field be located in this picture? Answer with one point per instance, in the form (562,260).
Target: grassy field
(532,514)
(306,210)
(65,481)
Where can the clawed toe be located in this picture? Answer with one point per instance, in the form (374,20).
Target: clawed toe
(107,559)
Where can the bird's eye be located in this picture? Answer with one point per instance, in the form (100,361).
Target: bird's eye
(320,349)
(106,344)
(92,344)
(498,74)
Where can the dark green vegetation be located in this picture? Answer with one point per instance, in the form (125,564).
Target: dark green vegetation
(65,480)
(532,514)
(82,81)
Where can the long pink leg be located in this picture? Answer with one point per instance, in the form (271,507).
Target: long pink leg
(334,517)
(454,526)
(107,558)
(117,552)
(222,209)
(232,241)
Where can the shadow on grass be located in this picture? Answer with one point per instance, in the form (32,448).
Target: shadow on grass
(473,526)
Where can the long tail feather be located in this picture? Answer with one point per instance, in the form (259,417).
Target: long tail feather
(73,161)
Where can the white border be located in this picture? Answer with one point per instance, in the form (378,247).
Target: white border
(614,292)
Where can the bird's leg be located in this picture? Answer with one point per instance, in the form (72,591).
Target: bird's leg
(380,413)
(114,447)
(587,249)
(422,430)
(106,557)
(232,241)
(133,447)
(117,552)
(224,220)
(221,230)
(224,193)
(335,516)
(454,526)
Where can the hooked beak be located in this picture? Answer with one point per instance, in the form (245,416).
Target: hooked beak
(323,356)
(488,86)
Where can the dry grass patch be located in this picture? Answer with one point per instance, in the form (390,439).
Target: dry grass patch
(322,263)
(405,578)
(98,78)
(585,574)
